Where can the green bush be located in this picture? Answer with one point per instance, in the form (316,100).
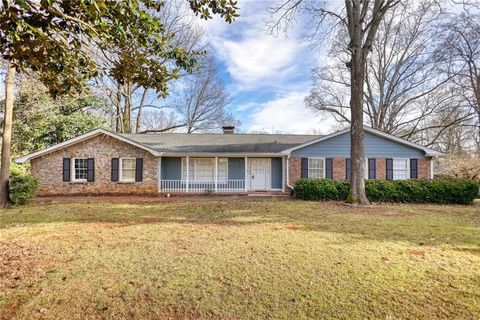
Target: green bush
(441,190)
(22,188)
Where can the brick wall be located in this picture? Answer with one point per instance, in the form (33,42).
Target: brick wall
(339,169)
(381,166)
(424,168)
(294,169)
(48,169)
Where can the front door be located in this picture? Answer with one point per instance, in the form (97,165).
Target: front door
(259,174)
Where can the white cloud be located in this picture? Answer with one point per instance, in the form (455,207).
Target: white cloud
(286,114)
(253,57)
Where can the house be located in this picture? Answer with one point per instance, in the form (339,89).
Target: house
(103,162)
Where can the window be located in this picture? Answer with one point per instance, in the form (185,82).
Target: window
(401,169)
(203,169)
(79,169)
(222,169)
(316,168)
(127,169)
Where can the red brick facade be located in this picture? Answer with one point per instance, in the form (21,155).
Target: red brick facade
(48,169)
(294,169)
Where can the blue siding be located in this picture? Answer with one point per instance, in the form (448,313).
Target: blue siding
(171,168)
(236,168)
(276,173)
(375,146)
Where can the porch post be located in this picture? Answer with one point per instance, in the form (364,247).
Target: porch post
(246,169)
(216,173)
(187,174)
(159,174)
(283,174)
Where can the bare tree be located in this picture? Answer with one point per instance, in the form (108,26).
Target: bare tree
(201,104)
(404,86)
(461,51)
(361,19)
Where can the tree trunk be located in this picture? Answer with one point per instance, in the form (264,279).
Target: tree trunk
(7,135)
(357,134)
(119,118)
(139,114)
(127,111)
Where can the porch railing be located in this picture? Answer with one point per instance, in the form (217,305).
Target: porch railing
(202,186)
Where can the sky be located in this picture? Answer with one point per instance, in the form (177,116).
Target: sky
(267,76)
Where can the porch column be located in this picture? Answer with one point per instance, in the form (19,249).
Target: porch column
(246,169)
(187,174)
(159,174)
(216,174)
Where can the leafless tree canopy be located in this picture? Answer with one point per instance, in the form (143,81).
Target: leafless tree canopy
(200,105)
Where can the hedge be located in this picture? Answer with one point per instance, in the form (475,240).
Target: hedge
(440,190)
(22,188)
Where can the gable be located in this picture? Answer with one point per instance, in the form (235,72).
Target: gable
(375,146)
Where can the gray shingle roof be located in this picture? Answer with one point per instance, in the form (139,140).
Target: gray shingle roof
(222,143)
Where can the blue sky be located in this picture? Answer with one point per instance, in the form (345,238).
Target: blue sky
(268,77)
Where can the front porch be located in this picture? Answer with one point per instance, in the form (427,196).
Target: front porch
(220,174)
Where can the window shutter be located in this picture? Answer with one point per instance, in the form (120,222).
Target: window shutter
(372,168)
(389,169)
(90,169)
(138,169)
(115,169)
(329,168)
(66,169)
(304,168)
(348,169)
(413,169)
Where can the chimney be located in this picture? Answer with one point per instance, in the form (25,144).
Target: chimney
(229,129)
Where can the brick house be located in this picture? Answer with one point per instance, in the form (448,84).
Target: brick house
(103,162)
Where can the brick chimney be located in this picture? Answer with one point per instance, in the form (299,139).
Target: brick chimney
(228,129)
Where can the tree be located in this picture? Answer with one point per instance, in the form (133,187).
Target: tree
(361,20)
(54,38)
(135,71)
(41,121)
(199,104)
(461,52)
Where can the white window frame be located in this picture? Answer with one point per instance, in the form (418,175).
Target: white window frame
(324,167)
(120,170)
(192,175)
(72,169)
(408,168)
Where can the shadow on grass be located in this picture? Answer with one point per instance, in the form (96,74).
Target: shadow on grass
(419,224)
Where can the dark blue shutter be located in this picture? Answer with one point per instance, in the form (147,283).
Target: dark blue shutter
(329,168)
(348,169)
(138,169)
(372,168)
(114,169)
(389,169)
(90,169)
(304,167)
(413,169)
(66,169)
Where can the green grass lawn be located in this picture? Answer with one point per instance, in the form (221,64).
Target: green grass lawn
(239,259)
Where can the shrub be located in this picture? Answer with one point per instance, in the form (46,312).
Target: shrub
(22,188)
(441,190)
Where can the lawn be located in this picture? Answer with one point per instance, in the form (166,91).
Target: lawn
(239,259)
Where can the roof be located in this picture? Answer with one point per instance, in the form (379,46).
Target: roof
(222,143)
(159,144)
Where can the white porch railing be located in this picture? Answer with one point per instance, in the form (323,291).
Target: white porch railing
(202,186)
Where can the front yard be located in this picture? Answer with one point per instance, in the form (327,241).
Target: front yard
(249,259)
